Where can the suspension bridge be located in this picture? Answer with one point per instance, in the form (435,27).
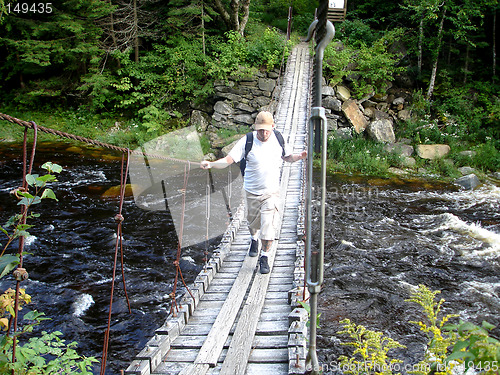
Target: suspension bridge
(236,320)
(233,319)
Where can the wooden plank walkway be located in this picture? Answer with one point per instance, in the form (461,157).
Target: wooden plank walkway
(237,320)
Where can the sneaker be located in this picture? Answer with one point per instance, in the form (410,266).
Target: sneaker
(254,248)
(264,266)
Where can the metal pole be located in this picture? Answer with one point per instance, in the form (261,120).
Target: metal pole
(317,126)
(289,26)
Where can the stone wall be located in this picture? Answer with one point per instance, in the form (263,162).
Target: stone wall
(236,103)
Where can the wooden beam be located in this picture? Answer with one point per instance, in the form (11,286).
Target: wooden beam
(213,345)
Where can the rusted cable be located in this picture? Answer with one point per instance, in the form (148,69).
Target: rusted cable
(90,141)
(24,211)
(174,308)
(119,244)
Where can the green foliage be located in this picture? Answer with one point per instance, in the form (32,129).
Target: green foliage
(475,347)
(439,339)
(368,66)
(448,344)
(307,307)
(40,191)
(487,156)
(47,353)
(357,33)
(359,155)
(150,88)
(370,355)
(228,56)
(44,50)
(275,13)
(267,49)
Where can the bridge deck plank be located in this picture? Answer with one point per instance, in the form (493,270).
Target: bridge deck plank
(240,324)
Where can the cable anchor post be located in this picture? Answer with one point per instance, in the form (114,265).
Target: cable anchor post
(326,37)
(317,128)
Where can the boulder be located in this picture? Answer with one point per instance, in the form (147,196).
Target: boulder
(381,131)
(231,96)
(369,112)
(431,152)
(343,93)
(244,119)
(469,182)
(466,170)
(398,101)
(399,148)
(332,124)
(354,116)
(200,120)
(223,108)
(332,103)
(267,84)
(381,115)
(404,115)
(343,133)
(245,107)
(409,162)
(467,153)
(328,91)
(114,192)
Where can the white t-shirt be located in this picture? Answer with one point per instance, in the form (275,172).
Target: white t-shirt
(262,172)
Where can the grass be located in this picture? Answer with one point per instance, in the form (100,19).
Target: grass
(354,156)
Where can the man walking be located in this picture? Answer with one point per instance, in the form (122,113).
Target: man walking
(260,154)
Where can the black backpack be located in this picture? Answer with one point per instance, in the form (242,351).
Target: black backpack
(249,144)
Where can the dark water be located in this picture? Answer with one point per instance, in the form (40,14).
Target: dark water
(386,237)
(383,237)
(73,247)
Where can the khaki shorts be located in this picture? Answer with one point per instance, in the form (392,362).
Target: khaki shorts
(262,214)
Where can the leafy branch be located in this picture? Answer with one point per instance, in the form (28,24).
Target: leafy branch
(26,198)
(47,353)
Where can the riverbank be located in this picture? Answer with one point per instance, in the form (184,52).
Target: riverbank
(355,156)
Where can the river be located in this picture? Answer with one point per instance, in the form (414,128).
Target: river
(383,237)
(386,237)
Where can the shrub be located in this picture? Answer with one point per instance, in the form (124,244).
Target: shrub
(41,354)
(370,351)
(369,67)
(267,49)
(360,156)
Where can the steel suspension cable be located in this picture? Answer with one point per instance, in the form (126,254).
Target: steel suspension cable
(89,141)
(119,244)
(20,273)
(174,308)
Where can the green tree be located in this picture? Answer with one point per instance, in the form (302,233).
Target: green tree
(44,51)
(234,13)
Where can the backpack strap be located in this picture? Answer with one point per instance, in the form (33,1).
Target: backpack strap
(281,140)
(249,144)
(248,147)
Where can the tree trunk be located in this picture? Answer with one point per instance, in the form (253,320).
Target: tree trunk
(234,16)
(136,33)
(21,77)
(494,43)
(420,42)
(432,81)
(466,64)
(231,17)
(203,27)
(113,35)
(245,10)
